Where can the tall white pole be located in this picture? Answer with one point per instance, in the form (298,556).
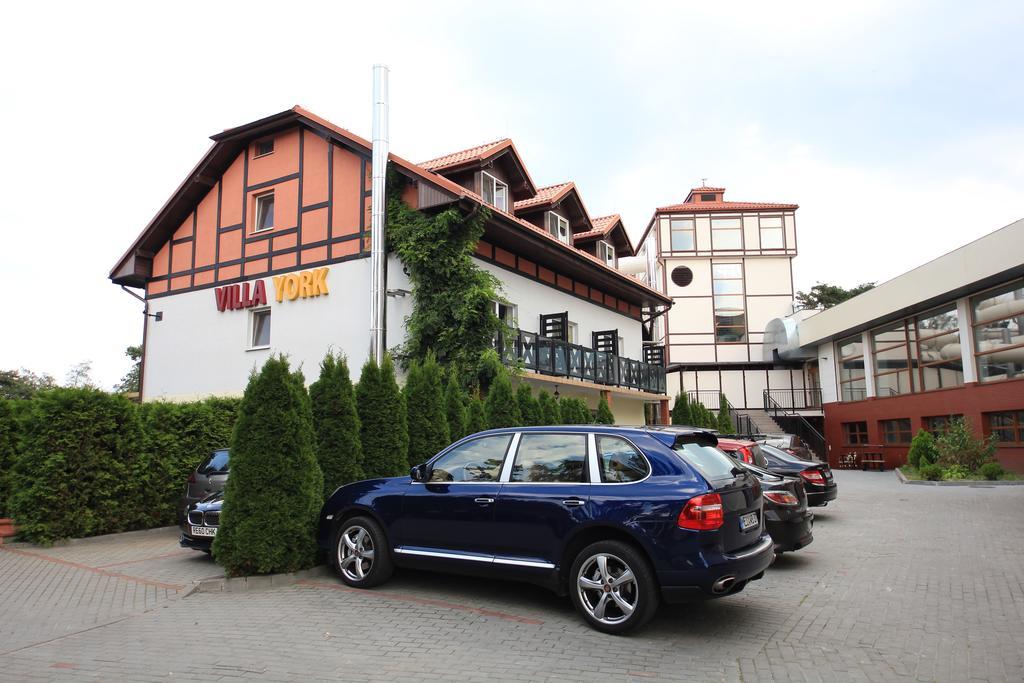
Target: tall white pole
(378,262)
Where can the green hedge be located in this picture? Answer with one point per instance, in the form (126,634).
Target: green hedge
(81,462)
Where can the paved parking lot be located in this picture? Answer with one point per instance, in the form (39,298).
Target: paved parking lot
(901,582)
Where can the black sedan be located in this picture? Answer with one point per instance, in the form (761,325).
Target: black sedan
(786,517)
(817,476)
(201,523)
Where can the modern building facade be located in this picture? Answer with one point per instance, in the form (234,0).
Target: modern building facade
(941,341)
(727,265)
(264,248)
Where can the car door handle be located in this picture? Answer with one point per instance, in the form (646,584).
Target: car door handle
(573,502)
(483,501)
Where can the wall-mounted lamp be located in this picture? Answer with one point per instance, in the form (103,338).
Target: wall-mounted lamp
(556,392)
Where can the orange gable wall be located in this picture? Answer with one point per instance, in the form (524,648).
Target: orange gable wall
(321,214)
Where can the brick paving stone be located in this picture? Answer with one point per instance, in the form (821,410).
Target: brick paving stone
(901,583)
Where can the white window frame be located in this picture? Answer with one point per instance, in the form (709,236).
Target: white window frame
(487,179)
(607,253)
(251,339)
(513,309)
(561,223)
(572,332)
(256,212)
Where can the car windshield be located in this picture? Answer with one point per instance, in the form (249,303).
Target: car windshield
(781,454)
(709,461)
(215,464)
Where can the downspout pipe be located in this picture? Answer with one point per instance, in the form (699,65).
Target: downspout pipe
(378,255)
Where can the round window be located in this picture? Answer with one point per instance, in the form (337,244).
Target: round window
(682,276)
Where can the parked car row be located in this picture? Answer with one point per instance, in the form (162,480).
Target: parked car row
(617,518)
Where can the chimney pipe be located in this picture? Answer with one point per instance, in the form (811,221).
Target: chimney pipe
(378,262)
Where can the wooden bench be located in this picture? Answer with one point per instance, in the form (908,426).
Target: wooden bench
(872,459)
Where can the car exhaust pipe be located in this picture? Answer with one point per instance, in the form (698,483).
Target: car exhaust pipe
(723,585)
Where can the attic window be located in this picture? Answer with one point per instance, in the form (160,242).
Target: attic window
(558,226)
(707,196)
(606,252)
(264,147)
(494,191)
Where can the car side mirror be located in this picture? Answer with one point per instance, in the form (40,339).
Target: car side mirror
(419,473)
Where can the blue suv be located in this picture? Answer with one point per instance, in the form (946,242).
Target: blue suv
(615,517)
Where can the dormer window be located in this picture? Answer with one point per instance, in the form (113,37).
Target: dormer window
(264,147)
(494,191)
(606,252)
(707,196)
(559,227)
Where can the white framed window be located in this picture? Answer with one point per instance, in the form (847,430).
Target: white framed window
(494,191)
(264,212)
(606,252)
(573,333)
(259,328)
(508,313)
(683,234)
(559,227)
(727,233)
(772,233)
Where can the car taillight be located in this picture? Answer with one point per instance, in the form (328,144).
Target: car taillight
(813,477)
(702,513)
(192,478)
(781,497)
(746,455)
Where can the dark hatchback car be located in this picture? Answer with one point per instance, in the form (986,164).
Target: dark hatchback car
(786,516)
(618,518)
(209,477)
(817,476)
(202,519)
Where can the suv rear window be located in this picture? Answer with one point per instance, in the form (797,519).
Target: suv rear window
(709,461)
(215,464)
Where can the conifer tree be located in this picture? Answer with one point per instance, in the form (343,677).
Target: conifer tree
(425,408)
(476,420)
(500,408)
(383,429)
(724,418)
(604,413)
(574,411)
(336,424)
(273,497)
(529,408)
(548,406)
(455,400)
(681,411)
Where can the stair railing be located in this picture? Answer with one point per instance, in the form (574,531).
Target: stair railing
(797,424)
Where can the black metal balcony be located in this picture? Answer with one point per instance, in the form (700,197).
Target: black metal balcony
(558,358)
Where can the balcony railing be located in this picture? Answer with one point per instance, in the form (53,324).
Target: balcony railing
(794,399)
(561,359)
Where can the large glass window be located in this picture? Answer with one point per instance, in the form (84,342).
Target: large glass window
(550,458)
(682,234)
(895,354)
(476,460)
(772,234)
(726,233)
(1006,426)
(852,385)
(938,350)
(999,333)
(896,432)
(620,461)
(730,316)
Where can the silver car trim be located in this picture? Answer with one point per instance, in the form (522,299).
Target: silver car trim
(474,558)
(595,477)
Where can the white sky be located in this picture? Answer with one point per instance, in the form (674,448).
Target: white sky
(897,126)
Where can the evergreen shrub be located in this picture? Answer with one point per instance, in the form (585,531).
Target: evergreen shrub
(336,424)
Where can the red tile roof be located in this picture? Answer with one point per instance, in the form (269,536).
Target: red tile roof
(602,225)
(461,157)
(546,195)
(705,188)
(701,207)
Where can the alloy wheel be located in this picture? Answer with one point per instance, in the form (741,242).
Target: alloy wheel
(607,588)
(355,553)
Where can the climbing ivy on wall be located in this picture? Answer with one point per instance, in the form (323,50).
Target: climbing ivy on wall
(453,298)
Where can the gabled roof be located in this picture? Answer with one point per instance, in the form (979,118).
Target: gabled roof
(481,155)
(546,195)
(605,227)
(554,195)
(701,207)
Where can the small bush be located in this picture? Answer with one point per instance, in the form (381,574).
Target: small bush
(501,408)
(958,446)
(425,408)
(931,472)
(336,425)
(549,412)
(529,408)
(955,473)
(476,420)
(991,471)
(273,497)
(604,413)
(922,449)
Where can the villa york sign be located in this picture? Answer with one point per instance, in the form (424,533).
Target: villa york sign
(292,286)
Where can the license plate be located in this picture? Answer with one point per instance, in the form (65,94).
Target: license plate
(748,521)
(204,531)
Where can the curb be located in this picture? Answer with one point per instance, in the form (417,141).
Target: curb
(242,584)
(975,483)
